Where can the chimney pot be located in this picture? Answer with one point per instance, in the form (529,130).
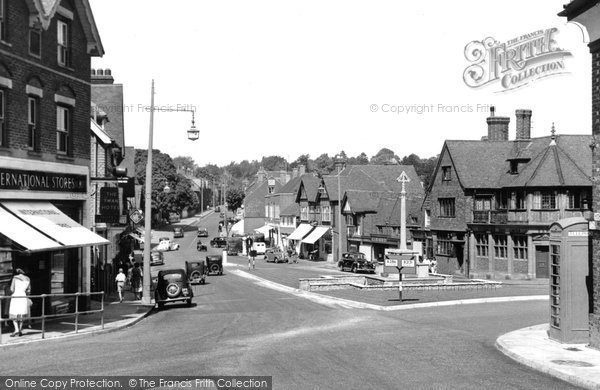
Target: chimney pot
(492,111)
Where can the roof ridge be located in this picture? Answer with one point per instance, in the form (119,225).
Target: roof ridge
(561,178)
(535,171)
(572,161)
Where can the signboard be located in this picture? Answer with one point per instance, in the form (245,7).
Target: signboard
(391,262)
(109,204)
(408,263)
(13,179)
(136,216)
(397,260)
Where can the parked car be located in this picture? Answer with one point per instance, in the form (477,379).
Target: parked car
(172,286)
(202,232)
(157,258)
(200,247)
(214,263)
(276,256)
(218,242)
(165,244)
(355,261)
(196,271)
(234,245)
(178,232)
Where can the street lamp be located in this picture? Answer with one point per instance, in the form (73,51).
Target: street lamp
(193,135)
(339,162)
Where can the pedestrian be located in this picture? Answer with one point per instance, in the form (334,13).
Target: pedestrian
(136,281)
(120,280)
(20,287)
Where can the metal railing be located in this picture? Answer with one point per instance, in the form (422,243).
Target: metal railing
(47,298)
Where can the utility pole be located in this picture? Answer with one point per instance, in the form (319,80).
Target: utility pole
(146,299)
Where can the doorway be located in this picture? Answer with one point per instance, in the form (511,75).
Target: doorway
(541,261)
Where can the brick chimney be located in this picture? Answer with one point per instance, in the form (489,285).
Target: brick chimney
(101,76)
(497,126)
(523,124)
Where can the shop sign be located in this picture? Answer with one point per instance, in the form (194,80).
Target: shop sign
(109,205)
(14,179)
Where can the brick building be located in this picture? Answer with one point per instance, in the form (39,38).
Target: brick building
(45,53)
(491,202)
(587,13)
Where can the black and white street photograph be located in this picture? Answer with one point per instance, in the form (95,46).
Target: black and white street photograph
(272,194)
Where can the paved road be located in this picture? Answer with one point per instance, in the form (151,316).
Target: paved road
(239,328)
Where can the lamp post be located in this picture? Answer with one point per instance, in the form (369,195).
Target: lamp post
(193,135)
(339,162)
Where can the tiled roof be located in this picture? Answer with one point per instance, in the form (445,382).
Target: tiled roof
(109,98)
(311,186)
(292,210)
(254,202)
(484,164)
(363,201)
(291,186)
(388,210)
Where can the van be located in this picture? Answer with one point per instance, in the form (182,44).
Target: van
(260,248)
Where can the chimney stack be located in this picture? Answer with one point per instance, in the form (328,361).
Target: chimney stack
(295,173)
(302,170)
(497,126)
(101,76)
(523,124)
(261,175)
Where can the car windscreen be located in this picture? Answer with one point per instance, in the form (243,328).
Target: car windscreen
(176,277)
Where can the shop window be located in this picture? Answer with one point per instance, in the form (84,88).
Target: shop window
(481,245)
(444,244)
(520,247)
(500,247)
(447,207)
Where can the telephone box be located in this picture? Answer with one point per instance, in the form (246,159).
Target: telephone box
(569,270)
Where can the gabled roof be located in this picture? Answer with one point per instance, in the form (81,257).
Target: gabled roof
(291,187)
(310,184)
(43,11)
(254,202)
(362,201)
(352,180)
(388,210)
(484,164)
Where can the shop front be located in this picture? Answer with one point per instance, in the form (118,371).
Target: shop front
(42,217)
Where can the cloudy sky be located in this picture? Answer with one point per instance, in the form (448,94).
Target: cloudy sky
(292,77)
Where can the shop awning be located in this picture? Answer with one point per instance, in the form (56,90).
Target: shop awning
(237,228)
(300,232)
(315,235)
(49,221)
(264,229)
(24,235)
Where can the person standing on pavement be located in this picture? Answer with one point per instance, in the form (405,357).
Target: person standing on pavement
(20,287)
(120,279)
(136,281)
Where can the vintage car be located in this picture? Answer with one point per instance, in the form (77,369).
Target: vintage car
(172,285)
(157,258)
(214,264)
(196,271)
(276,256)
(355,262)
(218,242)
(178,232)
(166,244)
(202,232)
(200,247)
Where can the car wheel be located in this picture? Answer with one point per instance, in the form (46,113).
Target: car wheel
(173,290)
(275,260)
(214,268)
(202,281)
(354,269)
(195,275)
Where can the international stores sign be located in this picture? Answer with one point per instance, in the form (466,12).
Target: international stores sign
(12,179)
(515,63)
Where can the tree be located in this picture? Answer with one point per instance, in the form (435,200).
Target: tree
(184,162)
(323,164)
(303,159)
(274,163)
(385,155)
(235,198)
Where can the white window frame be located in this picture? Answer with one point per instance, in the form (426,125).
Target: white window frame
(63,44)
(304,213)
(326,213)
(63,128)
(32,117)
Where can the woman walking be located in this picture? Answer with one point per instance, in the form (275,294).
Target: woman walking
(136,281)
(19,303)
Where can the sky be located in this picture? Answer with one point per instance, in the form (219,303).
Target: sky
(286,78)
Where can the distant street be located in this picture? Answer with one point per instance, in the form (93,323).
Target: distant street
(239,328)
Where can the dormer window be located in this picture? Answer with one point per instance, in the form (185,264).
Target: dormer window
(271,189)
(446,173)
(514,167)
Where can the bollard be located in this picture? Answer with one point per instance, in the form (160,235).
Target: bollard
(76,312)
(43,315)
(102,308)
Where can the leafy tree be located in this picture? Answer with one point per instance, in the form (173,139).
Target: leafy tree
(323,164)
(362,159)
(184,162)
(234,198)
(274,163)
(383,156)
(303,159)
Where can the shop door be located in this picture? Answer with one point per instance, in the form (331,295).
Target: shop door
(541,261)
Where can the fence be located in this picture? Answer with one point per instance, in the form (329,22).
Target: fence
(54,306)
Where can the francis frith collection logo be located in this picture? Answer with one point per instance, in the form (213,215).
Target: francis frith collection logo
(516,62)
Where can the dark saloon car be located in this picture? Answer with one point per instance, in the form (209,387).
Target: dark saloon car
(218,242)
(178,232)
(276,256)
(196,271)
(214,264)
(355,262)
(202,232)
(173,286)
